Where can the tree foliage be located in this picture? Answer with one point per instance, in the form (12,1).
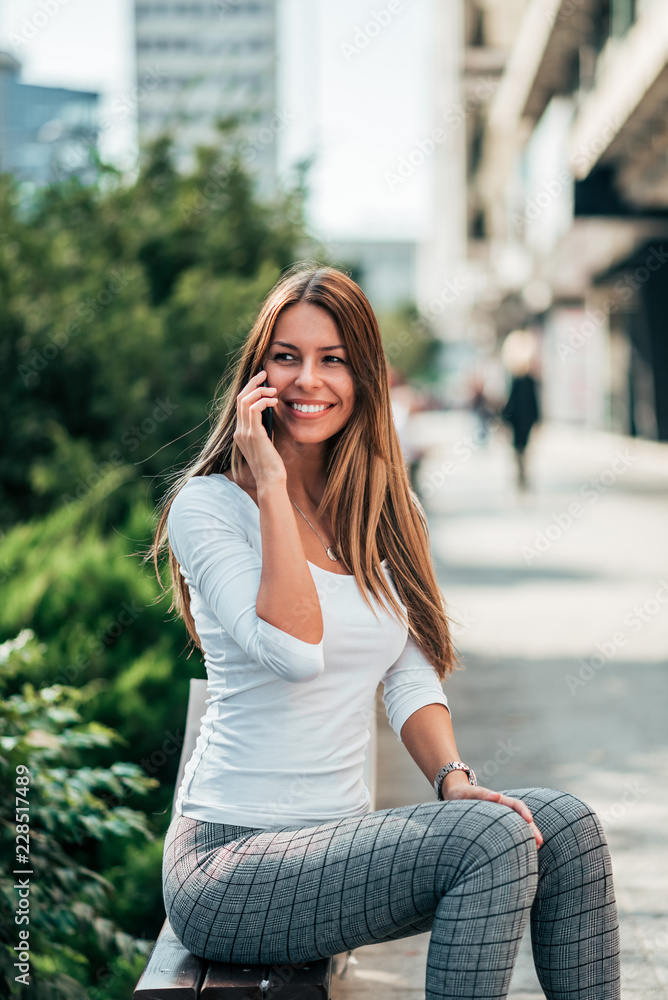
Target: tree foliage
(120,307)
(54,906)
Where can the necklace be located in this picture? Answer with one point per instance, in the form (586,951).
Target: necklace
(328,548)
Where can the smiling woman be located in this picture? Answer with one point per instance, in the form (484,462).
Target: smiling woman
(273,853)
(306,356)
(317,341)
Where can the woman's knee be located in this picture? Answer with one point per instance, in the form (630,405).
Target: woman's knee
(492,837)
(510,831)
(563,815)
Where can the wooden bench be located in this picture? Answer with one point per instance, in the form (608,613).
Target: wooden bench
(173,973)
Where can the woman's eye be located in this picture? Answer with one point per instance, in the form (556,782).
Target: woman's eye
(329,357)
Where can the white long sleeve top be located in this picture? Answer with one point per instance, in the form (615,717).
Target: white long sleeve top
(284,736)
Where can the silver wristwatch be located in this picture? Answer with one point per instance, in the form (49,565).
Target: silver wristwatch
(454,765)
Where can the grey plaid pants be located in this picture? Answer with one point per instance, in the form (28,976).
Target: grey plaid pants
(466,870)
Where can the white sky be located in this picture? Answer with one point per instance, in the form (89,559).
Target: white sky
(360,111)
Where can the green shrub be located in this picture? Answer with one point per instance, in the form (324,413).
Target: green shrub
(52,904)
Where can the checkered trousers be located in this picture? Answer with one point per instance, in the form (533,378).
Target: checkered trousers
(466,870)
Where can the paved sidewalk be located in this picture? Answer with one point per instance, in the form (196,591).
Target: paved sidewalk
(562,618)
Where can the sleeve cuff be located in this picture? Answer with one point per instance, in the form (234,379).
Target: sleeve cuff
(307,658)
(406,709)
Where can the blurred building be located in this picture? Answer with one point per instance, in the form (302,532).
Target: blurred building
(443,283)
(211,59)
(470,50)
(568,199)
(385,269)
(46,133)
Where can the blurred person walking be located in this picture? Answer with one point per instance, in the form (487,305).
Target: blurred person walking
(522,409)
(482,409)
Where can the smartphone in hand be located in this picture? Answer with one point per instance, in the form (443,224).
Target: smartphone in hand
(267,414)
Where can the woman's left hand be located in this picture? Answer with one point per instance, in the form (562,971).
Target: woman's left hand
(462,790)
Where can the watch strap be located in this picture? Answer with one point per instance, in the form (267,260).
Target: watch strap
(454,765)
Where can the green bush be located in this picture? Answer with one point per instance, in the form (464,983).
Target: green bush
(53,905)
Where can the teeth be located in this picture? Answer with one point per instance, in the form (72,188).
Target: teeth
(307,409)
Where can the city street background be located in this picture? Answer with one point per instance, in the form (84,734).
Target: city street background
(493,175)
(526,627)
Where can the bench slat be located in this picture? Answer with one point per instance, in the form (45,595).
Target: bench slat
(246,982)
(172,972)
(224,981)
(312,981)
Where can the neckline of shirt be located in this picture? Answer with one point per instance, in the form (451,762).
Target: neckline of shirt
(240,489)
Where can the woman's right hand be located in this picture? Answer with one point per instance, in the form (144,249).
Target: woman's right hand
(465,791)
(264,461)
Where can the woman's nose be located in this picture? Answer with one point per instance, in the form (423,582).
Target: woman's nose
(308,374)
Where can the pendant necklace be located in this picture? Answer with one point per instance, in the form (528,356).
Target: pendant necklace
(328,548)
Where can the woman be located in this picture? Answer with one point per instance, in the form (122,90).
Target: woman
(302,569)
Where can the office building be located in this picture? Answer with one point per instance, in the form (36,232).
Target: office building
(46,133)
(211,60)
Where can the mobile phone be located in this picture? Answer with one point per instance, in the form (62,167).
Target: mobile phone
(267,414)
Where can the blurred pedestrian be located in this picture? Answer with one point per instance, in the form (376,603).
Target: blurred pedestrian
(482,409)
(521,412)
(522,409)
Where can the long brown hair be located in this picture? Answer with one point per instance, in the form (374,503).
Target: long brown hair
(374,512)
